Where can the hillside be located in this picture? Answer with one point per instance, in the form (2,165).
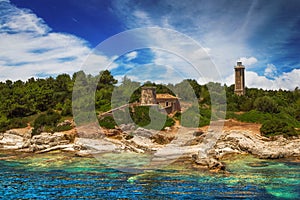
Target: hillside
(45,103)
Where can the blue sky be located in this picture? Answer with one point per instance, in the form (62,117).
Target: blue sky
(46,38)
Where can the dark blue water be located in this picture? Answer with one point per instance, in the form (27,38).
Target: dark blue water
(58,176)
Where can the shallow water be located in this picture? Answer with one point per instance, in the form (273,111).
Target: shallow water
(57,175)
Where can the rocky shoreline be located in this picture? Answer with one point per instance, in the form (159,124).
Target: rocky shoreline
(165,146)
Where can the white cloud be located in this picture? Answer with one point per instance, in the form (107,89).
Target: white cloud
(248,61)
(24,54)
(289,80)
(132,55)
(253,80)
(15,20)
(96,62)
(176,50)
(215,26)
(270,71)
(28,48)
(286,81)
(222,43)
(142,17)
(25,22)
(152,72)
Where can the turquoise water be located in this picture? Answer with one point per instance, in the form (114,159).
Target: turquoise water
(60,176)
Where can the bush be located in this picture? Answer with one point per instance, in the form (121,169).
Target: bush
(17,123)
(197,117)
(3,123)
(62,128)
(266,104)
(84,117)
(67,108)
(107,122)
(277,127)
(254,116)
(177,116)
(46,122)
(169,122)
(6,124)
(141,117)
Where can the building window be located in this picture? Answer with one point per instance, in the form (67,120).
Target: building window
(167,103)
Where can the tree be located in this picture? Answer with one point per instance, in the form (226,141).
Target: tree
(46,122)
(67,108)
(266,104)
(185,91)
(106,80)
(276,127)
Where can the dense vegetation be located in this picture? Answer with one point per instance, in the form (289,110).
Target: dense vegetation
(277,111)
(45,102)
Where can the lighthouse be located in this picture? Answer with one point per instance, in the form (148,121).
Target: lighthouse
(239,87)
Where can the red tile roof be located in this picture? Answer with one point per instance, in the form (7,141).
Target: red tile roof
(165,96)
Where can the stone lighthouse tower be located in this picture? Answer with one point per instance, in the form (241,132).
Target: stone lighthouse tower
(239,88)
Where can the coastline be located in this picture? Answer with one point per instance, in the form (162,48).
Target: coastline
(166,146)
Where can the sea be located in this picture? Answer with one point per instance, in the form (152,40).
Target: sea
(58,175)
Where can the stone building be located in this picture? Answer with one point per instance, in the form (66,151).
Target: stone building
(167,102)
(239,87)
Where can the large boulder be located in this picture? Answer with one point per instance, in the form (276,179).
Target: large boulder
(162,138)
(94,146)
(144,132)
(92,131)
(248,142)
(127,127)
(208,162)
(48,140)
(11,141)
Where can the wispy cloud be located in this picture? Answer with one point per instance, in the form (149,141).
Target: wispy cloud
(252,31)
(271,71)
(29,48)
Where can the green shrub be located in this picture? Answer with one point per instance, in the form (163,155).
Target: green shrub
(6,124)
(46,122)
(107,122)
(67,108)
(3,123)
(84,117)
(230,115)
(289,119)
(169,122)
(141,117)
(266,104)
(254,116)
(277,127)
(17,123)
(194,117)
(297,114)
(62,128)
(105,107)
(177,116)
